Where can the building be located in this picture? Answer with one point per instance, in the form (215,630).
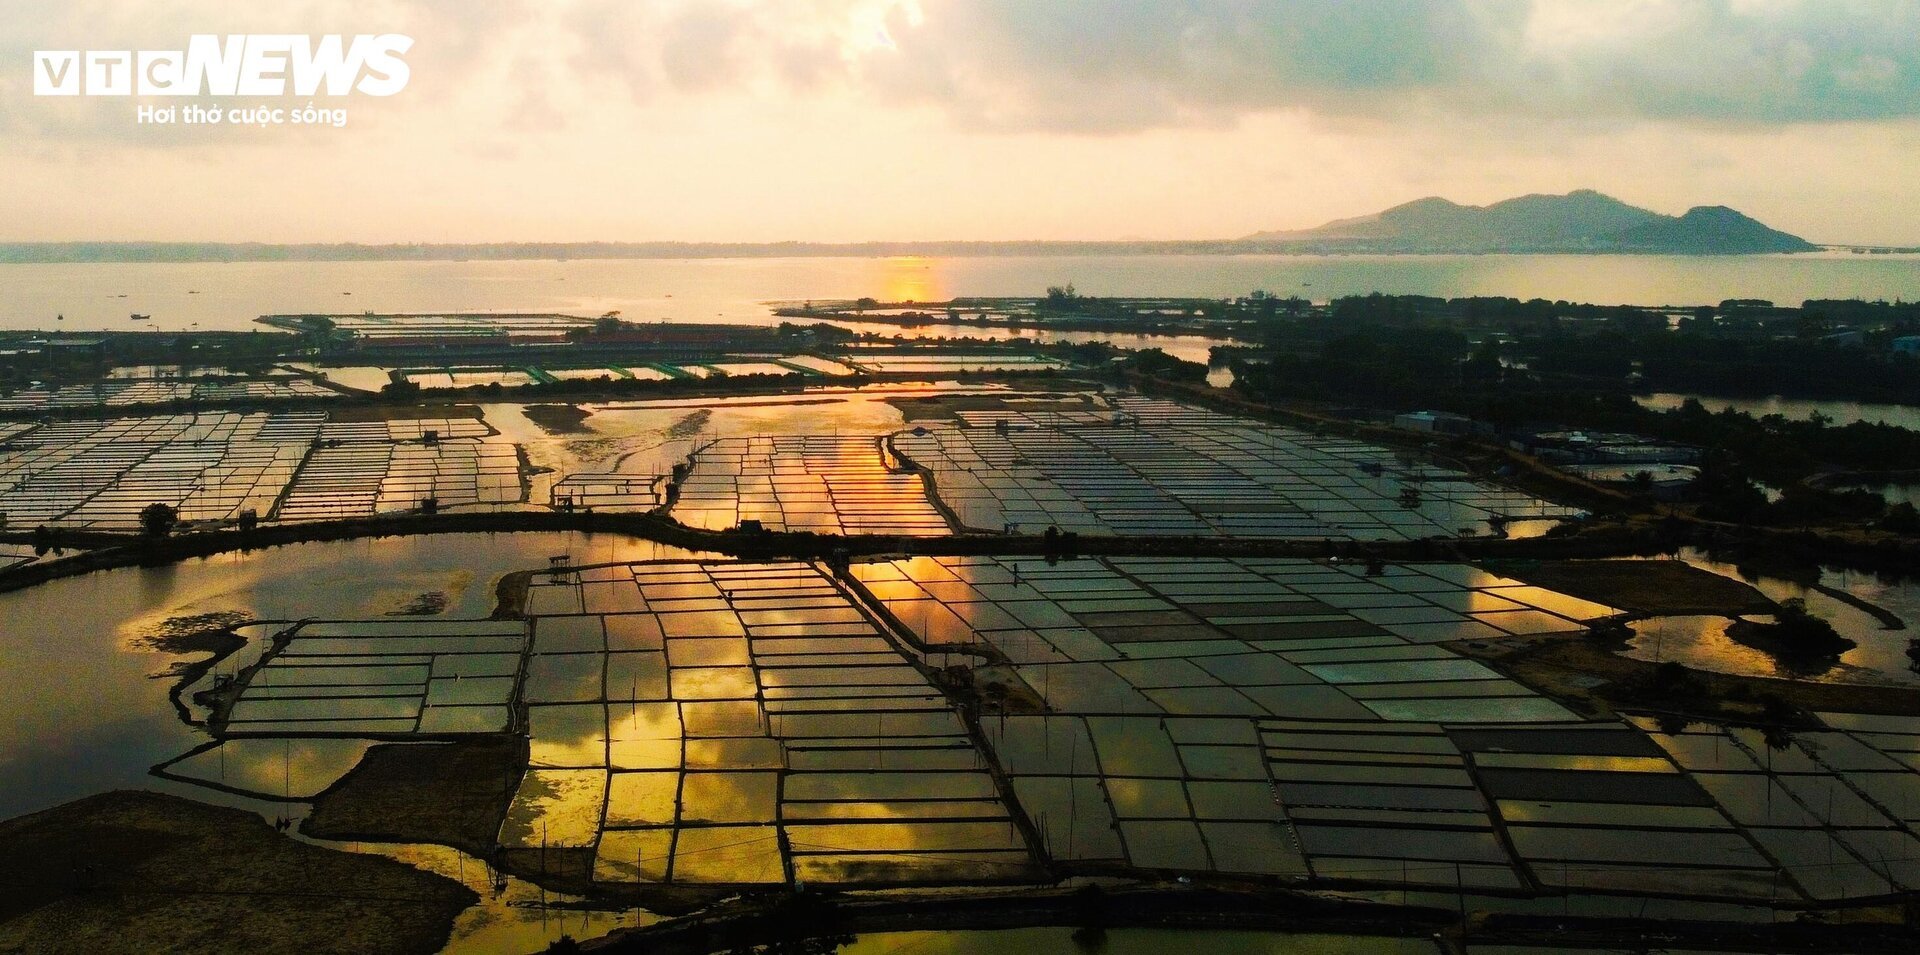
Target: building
(1439,422)
(1600,447)
(1664,482)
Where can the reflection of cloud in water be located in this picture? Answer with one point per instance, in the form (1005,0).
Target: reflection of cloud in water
(555,807)
(512,915)
(643,736)
(275,768)
(642,799)
(1701,642)
(570,735)
(729,797)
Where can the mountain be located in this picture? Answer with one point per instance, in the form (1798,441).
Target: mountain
(1580,221)
(1708,230)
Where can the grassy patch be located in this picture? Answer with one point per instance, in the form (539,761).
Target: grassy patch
(558,419)
(144,872)
(452,794)
(1656,587)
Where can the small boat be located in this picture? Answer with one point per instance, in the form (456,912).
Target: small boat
(137,317)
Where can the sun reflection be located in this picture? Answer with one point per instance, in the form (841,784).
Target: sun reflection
(1701,642)
(912,278)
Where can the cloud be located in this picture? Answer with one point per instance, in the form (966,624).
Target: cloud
(692,47)
(1122,64)
(1115,65)
(1070,66)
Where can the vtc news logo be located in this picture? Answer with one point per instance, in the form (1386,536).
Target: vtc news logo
(234,65)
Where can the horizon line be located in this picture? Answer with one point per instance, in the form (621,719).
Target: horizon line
(509,249)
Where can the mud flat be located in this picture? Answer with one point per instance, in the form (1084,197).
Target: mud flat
(143,872)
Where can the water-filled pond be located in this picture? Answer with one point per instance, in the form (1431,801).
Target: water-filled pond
(1880,657)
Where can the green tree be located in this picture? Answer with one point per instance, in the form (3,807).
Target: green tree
(1902,518)
(157,519)
(1061,298)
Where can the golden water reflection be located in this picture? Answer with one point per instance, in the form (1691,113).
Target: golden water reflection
(1701,642)
(911,278)
(1879,657)
(512,915)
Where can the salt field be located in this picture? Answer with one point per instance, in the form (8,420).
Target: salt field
(698,722)
(824,484)
(744,723)
(831,464)
(281,466)
(883,477)
(116,394)
(797,366)
(1190,636)
(105,718)
(1154,467)
(382,680)
(726,722)
(1125,466)
(613,451)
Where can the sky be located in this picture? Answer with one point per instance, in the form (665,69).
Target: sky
(853,120)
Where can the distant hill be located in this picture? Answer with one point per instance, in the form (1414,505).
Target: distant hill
(1580,221)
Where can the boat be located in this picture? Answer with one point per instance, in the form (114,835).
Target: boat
(137,317)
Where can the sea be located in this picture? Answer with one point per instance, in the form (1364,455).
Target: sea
(230,296)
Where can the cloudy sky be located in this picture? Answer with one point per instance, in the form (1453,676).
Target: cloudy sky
(843,120)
